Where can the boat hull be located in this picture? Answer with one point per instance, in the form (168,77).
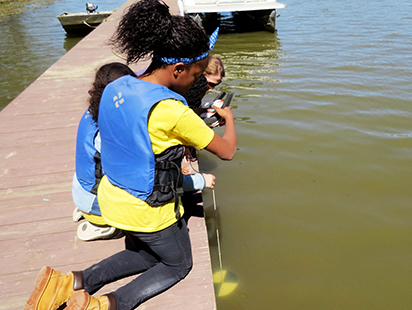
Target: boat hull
(81,23)
(239,21)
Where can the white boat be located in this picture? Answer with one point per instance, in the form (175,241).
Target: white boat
(82,23)
(247,14)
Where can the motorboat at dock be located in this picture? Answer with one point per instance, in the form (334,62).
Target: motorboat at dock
(83,23)
(245,15)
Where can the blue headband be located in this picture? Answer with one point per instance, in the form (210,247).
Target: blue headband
(172,61)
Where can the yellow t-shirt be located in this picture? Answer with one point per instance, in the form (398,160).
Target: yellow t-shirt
(170,123)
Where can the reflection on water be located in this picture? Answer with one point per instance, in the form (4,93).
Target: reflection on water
(314,210)
(32,42)
(70,41)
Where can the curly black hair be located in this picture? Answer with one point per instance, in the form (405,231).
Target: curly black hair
(147,28)
(196,92)
(105,75)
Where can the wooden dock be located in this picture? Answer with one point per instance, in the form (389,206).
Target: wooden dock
(37,152)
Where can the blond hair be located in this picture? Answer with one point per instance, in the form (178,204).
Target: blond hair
(215,66)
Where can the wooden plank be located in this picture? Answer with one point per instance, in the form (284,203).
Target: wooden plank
(37,138)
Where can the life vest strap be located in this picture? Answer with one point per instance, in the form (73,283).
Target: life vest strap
(98,172)
(168,178)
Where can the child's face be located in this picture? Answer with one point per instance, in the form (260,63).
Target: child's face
(188,75)
(213,80)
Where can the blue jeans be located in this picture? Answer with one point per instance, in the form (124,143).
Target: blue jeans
(161,258)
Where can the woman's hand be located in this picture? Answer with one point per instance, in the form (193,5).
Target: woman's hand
(224,147)
(225,113)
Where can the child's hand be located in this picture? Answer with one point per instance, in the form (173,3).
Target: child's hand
(210,180)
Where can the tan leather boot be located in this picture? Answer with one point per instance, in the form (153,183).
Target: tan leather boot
(84,301)
(53,288)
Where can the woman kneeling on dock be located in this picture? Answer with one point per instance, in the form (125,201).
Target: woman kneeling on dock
(144,124)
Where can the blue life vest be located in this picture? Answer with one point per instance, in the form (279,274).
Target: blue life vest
(88,167)
(127,156)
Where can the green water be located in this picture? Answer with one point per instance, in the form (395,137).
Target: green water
(31,42)
(314,211)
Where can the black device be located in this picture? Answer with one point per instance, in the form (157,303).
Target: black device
(91,7)
(213,120)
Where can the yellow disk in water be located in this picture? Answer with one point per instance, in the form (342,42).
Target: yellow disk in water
(225,282)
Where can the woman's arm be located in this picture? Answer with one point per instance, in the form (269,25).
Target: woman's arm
(224,147)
